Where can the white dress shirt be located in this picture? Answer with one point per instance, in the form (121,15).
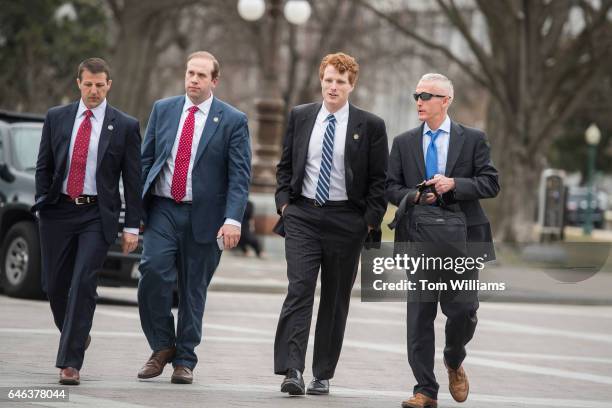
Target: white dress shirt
(441,143)
(337,184)
(97,119)
(163,184)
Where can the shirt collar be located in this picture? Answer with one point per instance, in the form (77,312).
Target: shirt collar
(98,111)
(204,107)
(445,126)
(341,114)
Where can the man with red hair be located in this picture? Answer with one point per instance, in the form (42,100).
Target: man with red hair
(330,195)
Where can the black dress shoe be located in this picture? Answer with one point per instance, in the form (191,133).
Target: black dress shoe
(318,387)
(293,382)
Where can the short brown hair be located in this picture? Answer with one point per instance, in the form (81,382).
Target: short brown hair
(95,66)
(342,62)
(206,55)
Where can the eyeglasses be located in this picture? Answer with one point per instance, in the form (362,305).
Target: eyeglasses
(425,96)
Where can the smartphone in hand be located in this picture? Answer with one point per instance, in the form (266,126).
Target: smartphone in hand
(220,243)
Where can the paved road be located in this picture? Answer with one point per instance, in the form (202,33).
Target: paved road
(523,355)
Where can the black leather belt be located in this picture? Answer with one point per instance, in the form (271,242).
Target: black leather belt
(80,200)
(328,203)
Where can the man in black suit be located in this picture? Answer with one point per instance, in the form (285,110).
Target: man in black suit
(330,195)
(85,148)
(455,161)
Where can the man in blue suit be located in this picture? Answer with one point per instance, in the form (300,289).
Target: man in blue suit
(196,165)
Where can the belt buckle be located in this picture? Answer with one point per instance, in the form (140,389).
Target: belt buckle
(316,204)
(78,201)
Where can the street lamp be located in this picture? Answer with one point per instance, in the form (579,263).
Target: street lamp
(270,107)
(592,137)
(65,11)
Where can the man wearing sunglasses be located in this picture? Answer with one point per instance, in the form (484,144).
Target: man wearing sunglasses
(455,162)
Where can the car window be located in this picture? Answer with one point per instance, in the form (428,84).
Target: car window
(25,141)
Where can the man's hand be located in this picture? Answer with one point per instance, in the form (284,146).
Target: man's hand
(426,199)
(442,184)
(129,242)
(231,235)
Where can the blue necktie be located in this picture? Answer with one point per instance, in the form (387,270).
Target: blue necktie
(431,158)
(327,154)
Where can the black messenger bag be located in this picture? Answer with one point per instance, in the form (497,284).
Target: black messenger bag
(431,230)
(437,231)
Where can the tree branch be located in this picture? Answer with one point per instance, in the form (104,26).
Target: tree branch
(427,43)
(495,80)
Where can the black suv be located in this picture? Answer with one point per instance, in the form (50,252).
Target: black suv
(19,243)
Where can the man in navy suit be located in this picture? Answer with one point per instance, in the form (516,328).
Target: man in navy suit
(456,162)
(85,147)
(196,161)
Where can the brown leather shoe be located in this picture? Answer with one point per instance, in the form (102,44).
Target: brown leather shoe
(458,383)
(182,375)
(420,401)
(69,376)
(155,365)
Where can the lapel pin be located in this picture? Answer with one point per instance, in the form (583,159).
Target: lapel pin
(356,136)
(110,127)
(215,119)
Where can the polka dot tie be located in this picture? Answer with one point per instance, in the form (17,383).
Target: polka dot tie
(183,157)
(78,161)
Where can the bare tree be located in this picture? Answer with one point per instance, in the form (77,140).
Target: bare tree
(145,30)
(538,56)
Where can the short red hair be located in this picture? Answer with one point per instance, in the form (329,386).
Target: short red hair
(343,63)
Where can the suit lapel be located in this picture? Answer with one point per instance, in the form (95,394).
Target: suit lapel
(108,128)
(351,143)
(65,132)
(175,111)
(210,127)
(304,132)
(416,147)
(455,144)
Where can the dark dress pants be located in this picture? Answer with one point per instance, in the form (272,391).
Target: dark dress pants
(172,256)
(459,307)
(329,238)
(73,250)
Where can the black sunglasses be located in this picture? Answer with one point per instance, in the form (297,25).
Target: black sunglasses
(425,96)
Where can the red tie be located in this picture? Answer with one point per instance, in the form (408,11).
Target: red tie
(183,157)
(78,161)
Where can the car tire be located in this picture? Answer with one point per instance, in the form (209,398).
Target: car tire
(20,262)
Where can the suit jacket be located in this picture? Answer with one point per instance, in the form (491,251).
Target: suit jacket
(118,156)
(365,160)
(222,168)
(468,162)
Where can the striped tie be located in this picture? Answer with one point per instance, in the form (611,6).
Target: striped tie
(327,155)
